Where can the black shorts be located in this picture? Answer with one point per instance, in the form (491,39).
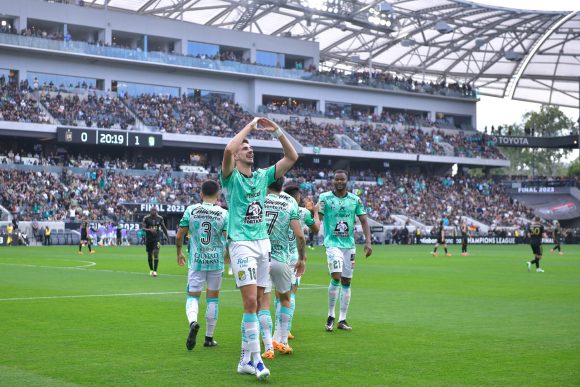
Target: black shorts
(536,248)
(151,246)
(464,239)
(440,241)
(84,238)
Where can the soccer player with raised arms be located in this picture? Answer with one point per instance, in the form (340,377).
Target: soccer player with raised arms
(249,247)
(207,223)
(337,211)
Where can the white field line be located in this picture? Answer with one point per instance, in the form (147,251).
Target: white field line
(88,264)
(311,287)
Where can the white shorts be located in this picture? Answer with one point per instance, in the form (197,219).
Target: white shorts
(281,277)
(250,262)
(340,261)
(196,279)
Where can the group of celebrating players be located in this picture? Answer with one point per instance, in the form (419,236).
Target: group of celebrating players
(261,233)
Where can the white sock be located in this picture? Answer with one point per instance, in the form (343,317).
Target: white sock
(211,316)
(344,301)
(246,355)
(191,308)
(333,290)
(276,335)
(253,336)
(285,316)
(265,319)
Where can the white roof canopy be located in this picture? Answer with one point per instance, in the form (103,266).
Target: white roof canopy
(527,55)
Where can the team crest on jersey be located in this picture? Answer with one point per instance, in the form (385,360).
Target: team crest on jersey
(241,275)
(341,229)
(253,213)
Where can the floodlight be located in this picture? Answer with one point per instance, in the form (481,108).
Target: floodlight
(442,27)
(513,56)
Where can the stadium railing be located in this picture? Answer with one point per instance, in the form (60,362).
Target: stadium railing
(188,61)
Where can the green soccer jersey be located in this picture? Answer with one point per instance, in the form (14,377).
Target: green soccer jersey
(280,210)
(339,218)
(206,223)
(306,219)
(245,197)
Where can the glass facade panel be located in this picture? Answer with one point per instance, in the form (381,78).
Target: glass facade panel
(130,88)
(266,58)
(202,49)
(40,80)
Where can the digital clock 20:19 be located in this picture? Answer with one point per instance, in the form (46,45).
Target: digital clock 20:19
(108,138)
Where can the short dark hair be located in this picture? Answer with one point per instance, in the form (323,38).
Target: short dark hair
(210,188)
(277,185)
(537,219)
(291,189)
(340,171)
(245,141)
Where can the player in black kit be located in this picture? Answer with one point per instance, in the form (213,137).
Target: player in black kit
(85,237)
(440,240)
(463,226)
(556,234)
(535,233)
(152,225)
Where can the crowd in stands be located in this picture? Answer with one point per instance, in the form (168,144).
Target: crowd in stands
(96,194)
(19,105)
(388,80)
(100,193)
(90,110)
(224,118)
(190,115)
(427,199)
(376,79)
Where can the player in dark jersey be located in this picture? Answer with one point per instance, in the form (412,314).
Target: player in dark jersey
(440,240)
(464,229)
(556,234)
(119,233)
(535,233)
(85,239)
(153,224)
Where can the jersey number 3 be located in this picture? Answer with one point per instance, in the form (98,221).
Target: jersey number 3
(206,237)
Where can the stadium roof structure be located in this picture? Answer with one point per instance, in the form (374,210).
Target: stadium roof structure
(526,55)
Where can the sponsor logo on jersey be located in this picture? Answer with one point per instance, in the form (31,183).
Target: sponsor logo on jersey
(341,229)
(253,213)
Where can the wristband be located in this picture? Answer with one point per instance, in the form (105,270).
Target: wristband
(277,133)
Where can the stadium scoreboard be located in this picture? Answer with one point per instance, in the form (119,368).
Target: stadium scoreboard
(109,137)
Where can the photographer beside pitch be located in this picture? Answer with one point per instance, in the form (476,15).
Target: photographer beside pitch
(245,191)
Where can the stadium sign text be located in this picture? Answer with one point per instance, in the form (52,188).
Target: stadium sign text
(536,190)
(511,141)
(161,208)
(484,240)
(536,142)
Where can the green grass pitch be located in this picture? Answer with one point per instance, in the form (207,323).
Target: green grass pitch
(417,320)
